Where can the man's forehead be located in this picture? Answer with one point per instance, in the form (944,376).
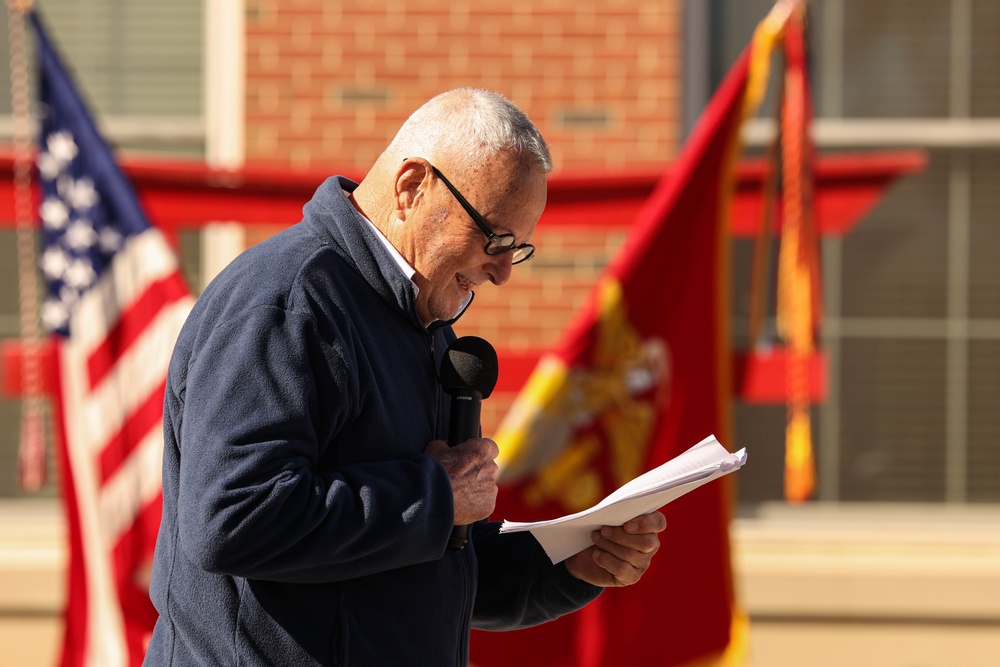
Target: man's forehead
(516,205)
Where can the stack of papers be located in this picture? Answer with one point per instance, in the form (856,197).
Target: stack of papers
(569,535)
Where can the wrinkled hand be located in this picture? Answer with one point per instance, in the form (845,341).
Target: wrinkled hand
(621,554)
(473,474)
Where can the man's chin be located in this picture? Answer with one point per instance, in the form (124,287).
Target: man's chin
(459,305)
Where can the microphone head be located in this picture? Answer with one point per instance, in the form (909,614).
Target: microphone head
(469,363)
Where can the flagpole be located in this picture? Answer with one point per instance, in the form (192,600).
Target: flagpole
(32,443)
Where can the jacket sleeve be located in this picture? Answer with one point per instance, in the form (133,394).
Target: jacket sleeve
(253,501)
(518,584)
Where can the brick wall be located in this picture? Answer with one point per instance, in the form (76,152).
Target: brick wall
(329,83)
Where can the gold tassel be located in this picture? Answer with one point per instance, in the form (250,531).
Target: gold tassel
(795,270)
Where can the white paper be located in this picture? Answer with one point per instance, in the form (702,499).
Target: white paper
(568,535)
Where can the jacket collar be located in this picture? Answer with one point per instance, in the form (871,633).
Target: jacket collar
(332,216)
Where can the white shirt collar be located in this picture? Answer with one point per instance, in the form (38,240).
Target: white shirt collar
(404,266)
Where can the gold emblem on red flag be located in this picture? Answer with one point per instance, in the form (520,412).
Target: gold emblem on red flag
(569,418)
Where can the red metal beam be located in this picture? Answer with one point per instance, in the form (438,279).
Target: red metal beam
(757,378)
(187,194)
(12,358)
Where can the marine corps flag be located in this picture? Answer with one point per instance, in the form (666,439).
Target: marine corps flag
(640,376)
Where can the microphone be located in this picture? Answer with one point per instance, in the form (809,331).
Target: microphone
(468,374)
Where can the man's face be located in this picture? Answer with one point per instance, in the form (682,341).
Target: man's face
(450,259)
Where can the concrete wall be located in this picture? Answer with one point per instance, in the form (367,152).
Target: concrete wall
(32,563)
(899,586)
(885,586)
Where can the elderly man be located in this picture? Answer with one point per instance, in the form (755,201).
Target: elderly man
(308,494)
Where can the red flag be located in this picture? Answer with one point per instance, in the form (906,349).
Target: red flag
(641,376)
(115,303)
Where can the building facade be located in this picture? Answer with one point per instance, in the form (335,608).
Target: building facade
(912,324)
(871,574)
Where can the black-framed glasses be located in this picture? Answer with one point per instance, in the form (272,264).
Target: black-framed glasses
(496,244)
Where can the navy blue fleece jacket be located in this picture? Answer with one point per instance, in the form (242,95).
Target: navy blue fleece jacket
(302,522)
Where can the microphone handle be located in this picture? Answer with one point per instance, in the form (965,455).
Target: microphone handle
(465,423)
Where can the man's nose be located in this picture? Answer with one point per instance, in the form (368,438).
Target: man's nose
(499,268)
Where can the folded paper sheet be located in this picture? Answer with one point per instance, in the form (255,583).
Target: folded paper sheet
(568,535)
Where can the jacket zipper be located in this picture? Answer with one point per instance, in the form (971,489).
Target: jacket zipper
(437,387)
(461,659)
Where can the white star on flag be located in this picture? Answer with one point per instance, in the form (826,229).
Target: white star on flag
(79,275)
(48,166)
(80,194)
(62,147)
(55,314)
(54,263)
(110,240)
(54,213)
(80,235)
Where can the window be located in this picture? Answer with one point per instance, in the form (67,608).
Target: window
(139,66)
(913,317)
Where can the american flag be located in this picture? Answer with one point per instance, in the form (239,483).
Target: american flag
(115,301)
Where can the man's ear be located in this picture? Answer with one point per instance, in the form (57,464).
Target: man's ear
(412,178)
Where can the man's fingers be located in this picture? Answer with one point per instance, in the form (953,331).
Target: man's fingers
(654,522)
(472,470)
(634,549)
(622,571)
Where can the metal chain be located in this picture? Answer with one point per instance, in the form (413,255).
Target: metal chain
(32,449)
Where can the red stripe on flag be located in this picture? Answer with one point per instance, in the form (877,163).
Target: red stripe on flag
(75,614)
(132,323)
(133,560)
(136,427)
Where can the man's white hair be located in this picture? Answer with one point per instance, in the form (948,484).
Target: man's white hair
(470,126)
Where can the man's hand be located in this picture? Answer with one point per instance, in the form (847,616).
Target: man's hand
(473,474)
(620,554)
